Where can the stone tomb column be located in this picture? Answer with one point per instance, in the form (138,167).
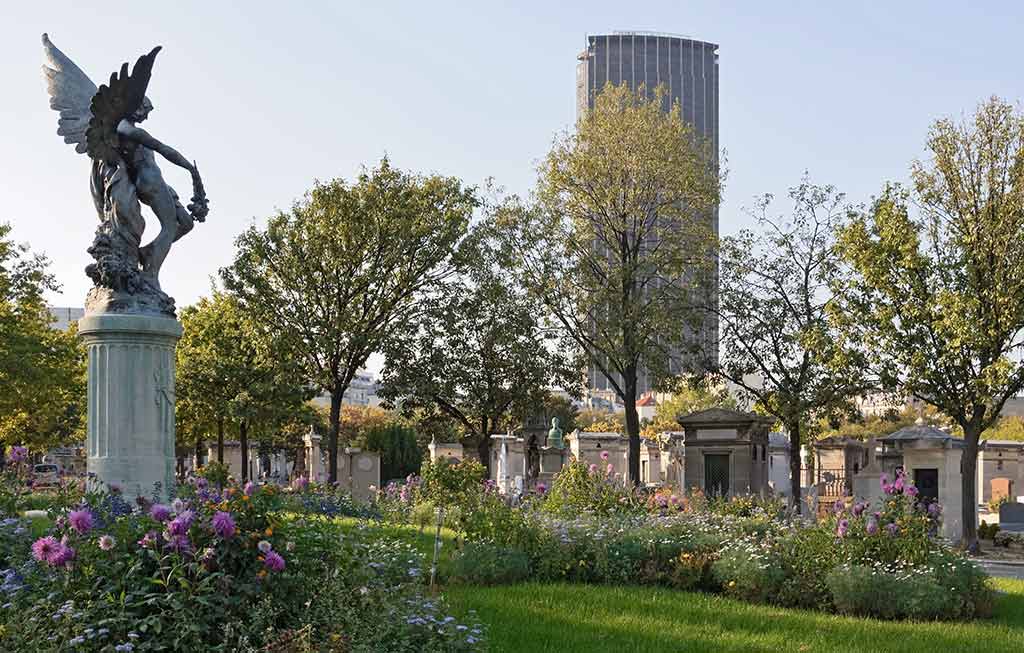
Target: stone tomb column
(130,426)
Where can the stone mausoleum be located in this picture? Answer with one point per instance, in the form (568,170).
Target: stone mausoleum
(726,452)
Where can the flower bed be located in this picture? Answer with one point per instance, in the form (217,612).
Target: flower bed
(233,569)
(881,560)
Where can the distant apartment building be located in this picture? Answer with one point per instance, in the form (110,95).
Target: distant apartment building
(688,71)
(361,392)
(65,316)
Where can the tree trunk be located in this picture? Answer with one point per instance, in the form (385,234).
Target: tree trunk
(632,426)
(332,437)
(197,461)
(243,442)
(968,485)
(299,466)
(794,467)
(484,448)
(220,440)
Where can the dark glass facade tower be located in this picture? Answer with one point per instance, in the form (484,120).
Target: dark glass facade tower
(688,69)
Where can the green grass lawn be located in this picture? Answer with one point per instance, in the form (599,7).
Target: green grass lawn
(565,618)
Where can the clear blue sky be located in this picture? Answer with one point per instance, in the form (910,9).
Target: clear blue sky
(267,97)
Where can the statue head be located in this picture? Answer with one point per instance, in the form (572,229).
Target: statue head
(143,111)
(554,423)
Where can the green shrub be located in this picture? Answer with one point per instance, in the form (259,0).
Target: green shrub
(580,488)
(451,484)
(987,531)
(400,456)
(950,587)
(215,473)
(749,571)
(486,564)
(491,518)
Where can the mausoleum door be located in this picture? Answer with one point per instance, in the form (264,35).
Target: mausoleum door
(927,482)
(716,474)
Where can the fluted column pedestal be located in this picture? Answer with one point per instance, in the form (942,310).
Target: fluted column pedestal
(130,416)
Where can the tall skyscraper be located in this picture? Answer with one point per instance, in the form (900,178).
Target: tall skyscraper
(688,70)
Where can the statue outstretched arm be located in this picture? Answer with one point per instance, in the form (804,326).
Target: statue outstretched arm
(138,135)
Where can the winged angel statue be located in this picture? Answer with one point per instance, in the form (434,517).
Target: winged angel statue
(103,122)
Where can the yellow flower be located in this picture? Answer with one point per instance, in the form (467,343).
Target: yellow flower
(732,584)
(245,497)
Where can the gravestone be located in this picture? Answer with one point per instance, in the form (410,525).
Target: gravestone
(1011,517)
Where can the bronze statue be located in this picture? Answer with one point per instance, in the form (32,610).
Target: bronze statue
(103,122)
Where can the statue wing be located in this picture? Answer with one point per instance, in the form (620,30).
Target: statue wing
(114,102)
(70,92)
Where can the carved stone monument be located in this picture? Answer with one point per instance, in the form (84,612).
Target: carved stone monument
(129,327)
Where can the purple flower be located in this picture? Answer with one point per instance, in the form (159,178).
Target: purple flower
(160,512)
(843,526)
(115,488)
(249,489)
(107,542)
(300,484)
(148,540)
(17,455)
(179,543)
(604,455)
(898,486)
(541,488)
(893,529)
(45,548)
(223,525)
(872,526)
(859,508)
(178,505)
(81,520)
(273,561)
(934,509)
(610,469)
(180,524)
(839,507)
(64,554)
(912,490)
(201,483)
(593,468)
(264,546)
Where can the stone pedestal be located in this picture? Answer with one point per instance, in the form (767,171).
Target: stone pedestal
(551,460)
(130,424)
(867,484)
(314,460)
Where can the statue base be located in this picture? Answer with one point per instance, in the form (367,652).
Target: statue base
(151,302)
(130,414)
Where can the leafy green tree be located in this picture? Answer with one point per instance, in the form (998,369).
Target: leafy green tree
(686,396)
(590,420)
(619,246)
(861,427)
(938,298)
(336,276)
(561,407)
(399,453)
(479,351)
(776,340)
(227,370)
(1007,428)
(42,369)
